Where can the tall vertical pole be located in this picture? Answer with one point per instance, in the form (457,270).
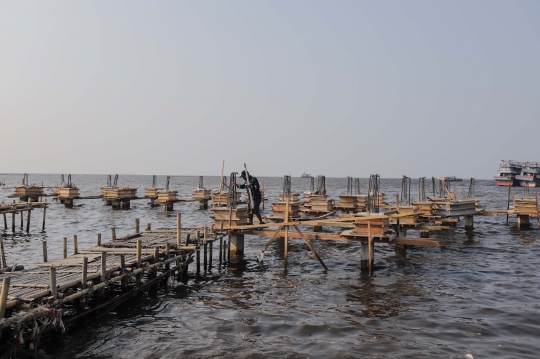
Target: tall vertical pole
(4,296)
(64,247)
(43,224)
(508,203)
(2,252)
(28,221)
(178,230)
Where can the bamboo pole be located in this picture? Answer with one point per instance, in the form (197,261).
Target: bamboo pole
(178,229)
(44,212)
(113,234)
(137,223)
(75,245)
(2,251)
(286,240)
(369,245)
(44,250)
(5,222)
(148,226)
(28,221)
(138,257)
(13,222)
(22,219)
(84,272)
(4,296)
(54,292)
(64,247)
(508,203)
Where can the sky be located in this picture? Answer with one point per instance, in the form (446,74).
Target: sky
(334,88)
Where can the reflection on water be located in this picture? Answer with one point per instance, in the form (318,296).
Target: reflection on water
(477,293)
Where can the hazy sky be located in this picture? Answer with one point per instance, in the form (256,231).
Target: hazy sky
(337,88)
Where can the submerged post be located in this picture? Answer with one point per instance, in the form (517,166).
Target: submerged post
(137,223)
(113,234)
(98,240)
(365,252)
(44,250)
(43,224)
(148,226)
(28,221)
(468,221)
(236,244)
(138,258)
(75,245)
(84,272)
(64,247)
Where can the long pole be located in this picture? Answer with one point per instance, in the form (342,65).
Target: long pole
(508,203)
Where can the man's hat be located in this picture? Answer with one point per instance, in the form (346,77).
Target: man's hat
(243,173)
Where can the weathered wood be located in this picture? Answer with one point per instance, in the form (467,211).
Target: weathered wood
(54,293)
(4,296)
(75,245)
(98,239)
(178,229)
(44,251)
(84,273)
(113,234)
(64,247)
(2,251)
(137,223)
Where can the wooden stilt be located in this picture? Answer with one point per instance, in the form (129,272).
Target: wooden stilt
(43,224)
(198,258)
(98,240)
(220,250)
(5,222)
(44,250)
(137,223)
(64,247)
(84,272)
(2,251)
(210,250)
(22,219)
(369,245)
(139,253)
(13,222)
(75,245)
(205,265)
(54,292)
(148,226)
(178,229)
(4,296)
(28,221)
(113,234)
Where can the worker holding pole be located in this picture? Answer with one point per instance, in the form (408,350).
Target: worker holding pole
(253,185)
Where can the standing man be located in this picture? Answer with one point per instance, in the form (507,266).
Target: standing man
(255,188)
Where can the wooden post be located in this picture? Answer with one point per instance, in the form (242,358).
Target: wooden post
(52,284)
(5,222)
(148,226)
(98,240)
(84,272)
(43,224)
(137,223)
(198,256)
(44,250)
(286,239)
(4,296)
(220,251)
(103,271)
(370,250)
(2,252)
(22,219)
(75,245)
(210,249)
(28,221)
(205,246)
(178,229)
(64,247)
(13,222)
(139,255)
(167,256)
(508,203)
(156,254)
(113,234)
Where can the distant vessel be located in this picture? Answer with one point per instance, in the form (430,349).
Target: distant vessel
(508,170)
(530,175)
(306,175)
(451,179)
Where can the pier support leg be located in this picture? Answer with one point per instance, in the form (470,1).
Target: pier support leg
(399,250)
(168,206)
(317,228)
(424,233)
(203,204)
(125,205)
(68,202)
(468,221)
(523,221)
(43,224)
(5,222)
(28,221)
(236,244)
(13,222)
(364,257)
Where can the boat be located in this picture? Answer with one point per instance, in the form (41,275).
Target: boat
(530,175)
(508,170)
(306,175)
(451,179)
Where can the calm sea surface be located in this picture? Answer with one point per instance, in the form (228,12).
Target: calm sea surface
(478,293)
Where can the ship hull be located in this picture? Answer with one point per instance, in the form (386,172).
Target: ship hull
(527,184)
(506,182)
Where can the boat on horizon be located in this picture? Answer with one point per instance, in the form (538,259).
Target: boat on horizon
(530,175)
(306,175)
(508,170)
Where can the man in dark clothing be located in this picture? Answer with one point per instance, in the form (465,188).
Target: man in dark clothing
(255,189)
